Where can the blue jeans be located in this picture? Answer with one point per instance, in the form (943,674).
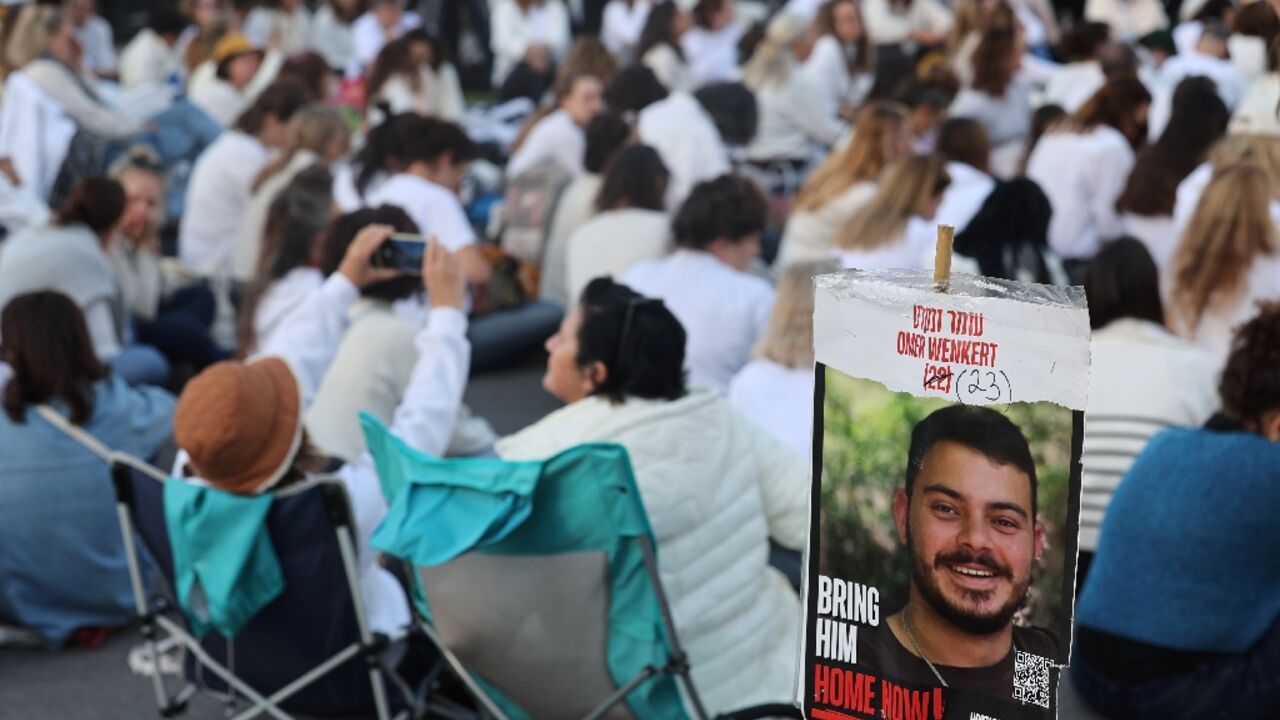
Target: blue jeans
(500,338)
(178,135)
(1232,687)
(181,329)
(141,365)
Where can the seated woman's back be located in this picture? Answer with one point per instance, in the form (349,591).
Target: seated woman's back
(60,549)
(714,486)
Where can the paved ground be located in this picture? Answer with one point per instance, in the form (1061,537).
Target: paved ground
(92,684)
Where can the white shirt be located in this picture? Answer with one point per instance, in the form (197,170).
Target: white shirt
(99,45)
(905,252)
(807,9)
(613,242)
(149,59)
(293,28)
(670,69)
(809,234)
(1226,313)
(555,137)
(1082,174)
(1135,364)
(280,300)
(1129,19)
(779,399)
(1074,84)
(576,205)
(794,121)
(1248,55)
(512,32)
(622,25)
(961,201)
(723,311)
(1226,78)
(217,196)
(712,56)
(1007,119)
(332,38)
(687,139)
(248,245)
(887,26)
(434,209)
(368,37)
(221,100)
(828,70)
(1157,233)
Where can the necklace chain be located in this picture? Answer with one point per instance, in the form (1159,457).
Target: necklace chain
(907,625)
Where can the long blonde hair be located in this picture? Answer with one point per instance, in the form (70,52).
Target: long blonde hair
(314,127)
(1260,150)
(1230,230)
(773,62)
(788,340)
(908,183)
(878,130)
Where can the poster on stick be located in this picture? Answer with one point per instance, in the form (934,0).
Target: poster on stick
(942,549)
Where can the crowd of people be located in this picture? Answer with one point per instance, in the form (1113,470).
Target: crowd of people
(195,222)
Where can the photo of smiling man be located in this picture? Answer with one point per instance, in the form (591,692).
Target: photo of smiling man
(967,517)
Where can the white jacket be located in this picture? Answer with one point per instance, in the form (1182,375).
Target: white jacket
(715,488)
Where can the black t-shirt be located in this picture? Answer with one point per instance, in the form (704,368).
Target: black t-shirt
(880,653)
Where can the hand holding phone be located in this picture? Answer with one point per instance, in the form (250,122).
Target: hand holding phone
(358,265)
(402,251)
(442,277)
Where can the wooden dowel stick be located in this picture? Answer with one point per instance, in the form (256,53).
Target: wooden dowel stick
(942,260)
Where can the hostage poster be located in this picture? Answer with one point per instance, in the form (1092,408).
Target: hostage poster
(940,570)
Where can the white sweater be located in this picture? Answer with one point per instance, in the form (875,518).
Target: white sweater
(248,245)
(810,234)
(1082,174)
(670,69)
(723,311)
(148,59)
(1141,380)
(715,489)
(576,205)
(828,70)
(512,32)
(687,139)
(779,399)
(613,242)
(555,137)
(217,198)
(794,121)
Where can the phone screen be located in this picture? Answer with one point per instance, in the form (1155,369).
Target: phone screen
(402,254)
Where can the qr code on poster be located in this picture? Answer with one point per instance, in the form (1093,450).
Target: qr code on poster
(1032,678)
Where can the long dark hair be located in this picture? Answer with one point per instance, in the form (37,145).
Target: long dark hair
(638,340)
(636,178)
(342,232)
(281,100)
(294,221)
(404,139)
(46,342)
(993,59)
(657,30)
(394,59)
(864,56)
(1198,119)
(1009,234)
(1114,104)
(1123,282)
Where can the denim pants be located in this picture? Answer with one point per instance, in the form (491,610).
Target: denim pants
(500,338)
(1232,687)
(141,365)
(181,329)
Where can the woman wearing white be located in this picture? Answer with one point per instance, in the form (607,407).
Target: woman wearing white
(771,390)
(290,22)
(232,79)
(316,135)
(631,225)
(1084,165)
(996,97)
(534,32)
(876,238)
(715,487)
(1227,261)
(331,32)
(660,49)
(895,22)
(623,22)
(840,65)
(1128,19)
(411,75)
(560,135)
(844,182)
(711,45)
(794,117)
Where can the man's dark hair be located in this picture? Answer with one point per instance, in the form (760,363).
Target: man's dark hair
(729,206)
(657,30)
(1250,385)
(732,108)
(1119,60)
(639,341)
(47,344)
(404,139)
(606,134)
(635,179)
(167,21)
(343,230)
(1084,41)
(1123,282)
(964,140)
(281,99)
(978,428)
(633,89)
(96,202)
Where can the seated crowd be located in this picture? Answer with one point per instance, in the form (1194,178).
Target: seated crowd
(198,233)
